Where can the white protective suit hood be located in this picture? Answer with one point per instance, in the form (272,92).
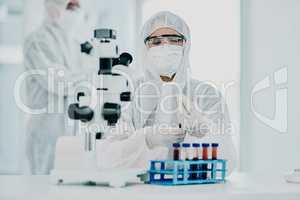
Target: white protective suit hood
(54,9)
(152,82)
(167,19)
(78,23)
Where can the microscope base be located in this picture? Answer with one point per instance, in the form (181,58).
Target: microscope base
(74,166)
(113,178)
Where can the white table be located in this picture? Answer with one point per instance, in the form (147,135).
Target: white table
(239,187)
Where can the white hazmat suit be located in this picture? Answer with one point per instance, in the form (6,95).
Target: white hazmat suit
(52,56)
(200,104)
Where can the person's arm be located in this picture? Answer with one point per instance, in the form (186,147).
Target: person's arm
(127,147)
(209,120)
(132,146)
(130,152)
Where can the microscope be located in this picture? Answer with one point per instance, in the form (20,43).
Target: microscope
(97,113)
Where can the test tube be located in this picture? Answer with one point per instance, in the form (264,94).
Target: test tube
(214,156)
(204,157)
(194,167)
(176,151)
(186,153)
(214,151)
(185,156)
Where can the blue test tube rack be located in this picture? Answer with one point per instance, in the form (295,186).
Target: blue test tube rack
(171,172)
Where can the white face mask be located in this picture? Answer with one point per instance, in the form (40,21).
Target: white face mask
(165,60)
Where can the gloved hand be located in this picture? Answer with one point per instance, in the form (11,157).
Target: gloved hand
(195,123)
(198,125)
(163,137)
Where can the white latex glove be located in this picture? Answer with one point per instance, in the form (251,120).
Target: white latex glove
(195,124)
(197,127)
(163,137)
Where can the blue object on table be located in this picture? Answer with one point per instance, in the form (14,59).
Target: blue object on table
(186,145)
(178,172)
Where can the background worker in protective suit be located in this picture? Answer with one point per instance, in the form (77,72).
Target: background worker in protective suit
(168,105)
(53,51)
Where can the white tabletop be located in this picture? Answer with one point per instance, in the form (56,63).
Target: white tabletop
(239,186)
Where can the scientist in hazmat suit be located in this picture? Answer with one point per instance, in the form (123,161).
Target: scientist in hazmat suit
(168,106)
(52,61)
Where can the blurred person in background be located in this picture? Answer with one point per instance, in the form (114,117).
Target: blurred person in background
(53,51)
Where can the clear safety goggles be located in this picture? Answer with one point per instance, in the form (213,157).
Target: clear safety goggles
(153,41)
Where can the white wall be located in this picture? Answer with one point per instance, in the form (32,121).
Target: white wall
(32,20)
(270,41)
(11,125)
(119,15)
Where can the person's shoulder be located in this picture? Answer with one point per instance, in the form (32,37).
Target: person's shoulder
(39,36)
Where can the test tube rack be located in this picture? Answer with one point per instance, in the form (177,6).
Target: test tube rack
(179,172)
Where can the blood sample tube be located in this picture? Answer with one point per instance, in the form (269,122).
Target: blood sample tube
(185,156)
(176,151)
(204,167)
(186,152)
(194,167)
(214,151)
(214,156)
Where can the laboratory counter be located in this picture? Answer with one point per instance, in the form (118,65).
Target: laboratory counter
(239,186)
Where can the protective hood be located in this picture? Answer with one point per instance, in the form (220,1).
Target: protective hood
(77,24)
(151,91)
(166,19)
(55,8)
